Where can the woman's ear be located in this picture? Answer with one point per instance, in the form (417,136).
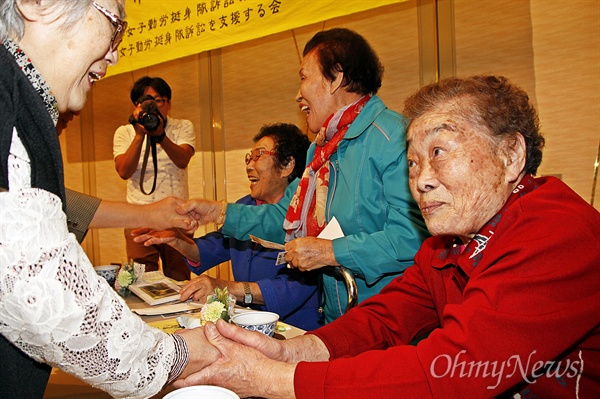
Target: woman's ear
(337,82)
(516,157)
(289,168)
(29,9)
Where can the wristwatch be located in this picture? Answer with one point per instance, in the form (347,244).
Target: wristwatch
(247,294)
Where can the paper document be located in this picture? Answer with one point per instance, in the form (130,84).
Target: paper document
(168,325)
(265,243)
(272,245)
(332,230)
(167,309)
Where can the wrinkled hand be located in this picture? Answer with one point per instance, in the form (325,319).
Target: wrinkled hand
(203,211)
(173,237)
(201,352)
(164,214)
(310,253)
(199,288)
(149,237)
(242,368)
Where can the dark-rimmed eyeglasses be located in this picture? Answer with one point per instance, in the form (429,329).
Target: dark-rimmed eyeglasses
(257,153)
(118,23)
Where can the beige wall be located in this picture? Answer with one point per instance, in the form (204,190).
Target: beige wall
(566,43)
(550,48)
(261,80)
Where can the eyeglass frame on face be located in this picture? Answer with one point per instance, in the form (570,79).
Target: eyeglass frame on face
(115,21)
(252,156)
(160,101)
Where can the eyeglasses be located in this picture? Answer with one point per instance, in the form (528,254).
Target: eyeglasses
(117,22)
(160,101)
(257,153)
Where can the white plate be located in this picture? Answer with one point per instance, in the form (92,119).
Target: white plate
(201,392)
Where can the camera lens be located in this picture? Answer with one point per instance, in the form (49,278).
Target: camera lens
(151,121)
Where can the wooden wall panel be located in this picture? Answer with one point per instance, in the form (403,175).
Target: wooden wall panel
(552,50)
(566,42)
(109,107)
(261,81)
(495,37)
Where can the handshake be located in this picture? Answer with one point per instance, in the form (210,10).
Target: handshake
(173,212)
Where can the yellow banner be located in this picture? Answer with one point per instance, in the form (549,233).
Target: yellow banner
(162,30)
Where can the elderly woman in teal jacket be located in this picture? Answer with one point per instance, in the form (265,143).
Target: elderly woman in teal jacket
(357,172)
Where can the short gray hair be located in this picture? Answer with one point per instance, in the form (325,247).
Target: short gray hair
(11,20)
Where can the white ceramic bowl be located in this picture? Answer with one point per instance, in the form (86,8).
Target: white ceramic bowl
(108,272)
(263,322)
(201,391)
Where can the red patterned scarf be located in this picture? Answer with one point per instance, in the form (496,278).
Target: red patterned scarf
(476,246)
(306,213)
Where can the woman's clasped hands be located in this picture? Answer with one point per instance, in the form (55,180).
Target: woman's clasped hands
(250,363)
(310,253)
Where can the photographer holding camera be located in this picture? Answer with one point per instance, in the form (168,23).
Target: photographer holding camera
(152,153)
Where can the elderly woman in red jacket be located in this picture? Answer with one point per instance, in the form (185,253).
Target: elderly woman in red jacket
(506,290)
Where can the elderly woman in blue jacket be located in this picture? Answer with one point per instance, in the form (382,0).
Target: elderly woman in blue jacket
(277,158)
(356,172)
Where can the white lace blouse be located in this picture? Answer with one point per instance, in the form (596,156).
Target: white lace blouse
(55,308)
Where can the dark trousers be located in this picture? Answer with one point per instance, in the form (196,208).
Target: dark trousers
(21,377)
(173,263)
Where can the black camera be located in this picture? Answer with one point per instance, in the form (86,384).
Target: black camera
(150,117)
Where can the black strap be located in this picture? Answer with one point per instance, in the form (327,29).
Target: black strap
(150,143)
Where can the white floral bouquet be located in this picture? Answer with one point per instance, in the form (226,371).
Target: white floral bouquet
(219,305)
(128,274)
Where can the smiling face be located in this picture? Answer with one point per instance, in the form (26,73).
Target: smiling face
(267,180)
(315,94)
(457,174)
(69,59)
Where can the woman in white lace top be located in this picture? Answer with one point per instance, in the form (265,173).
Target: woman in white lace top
(54,309)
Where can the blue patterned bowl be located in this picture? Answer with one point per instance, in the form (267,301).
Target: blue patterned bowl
(263,322)
(108,272)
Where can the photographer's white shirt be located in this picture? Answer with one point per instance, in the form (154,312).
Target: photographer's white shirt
(170,180)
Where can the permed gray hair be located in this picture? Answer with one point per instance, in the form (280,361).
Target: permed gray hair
(11,20)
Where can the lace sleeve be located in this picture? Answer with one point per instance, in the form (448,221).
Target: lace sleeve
(55,308)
